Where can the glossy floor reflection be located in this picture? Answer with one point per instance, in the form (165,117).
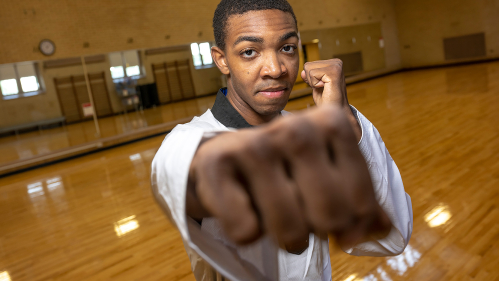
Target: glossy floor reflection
(93,218)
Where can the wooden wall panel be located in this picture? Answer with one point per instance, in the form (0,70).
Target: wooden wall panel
(80,89)
(175,85)
(465,47)
(67,99)
(352,62)
(162,84)
(186,79)
(173,81)
(72,92)
(100,94)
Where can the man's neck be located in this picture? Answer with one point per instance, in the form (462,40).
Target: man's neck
(246,111)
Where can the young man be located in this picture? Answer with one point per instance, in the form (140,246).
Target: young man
(257,203)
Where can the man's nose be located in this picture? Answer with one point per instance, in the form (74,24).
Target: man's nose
(273,67)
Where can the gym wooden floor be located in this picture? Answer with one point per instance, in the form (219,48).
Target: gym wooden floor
(93,217)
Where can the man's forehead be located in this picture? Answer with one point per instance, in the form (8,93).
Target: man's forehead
(260,22)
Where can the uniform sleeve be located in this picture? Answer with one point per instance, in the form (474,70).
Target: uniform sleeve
(169,175)
(389,191)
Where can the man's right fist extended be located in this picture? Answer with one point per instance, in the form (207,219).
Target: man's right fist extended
(298,174)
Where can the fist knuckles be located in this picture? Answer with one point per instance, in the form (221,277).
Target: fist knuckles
(296,175)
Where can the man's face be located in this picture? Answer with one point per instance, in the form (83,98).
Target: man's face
(261,51)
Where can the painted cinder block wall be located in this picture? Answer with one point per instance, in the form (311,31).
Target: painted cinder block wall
(413,30)
(106,26)
(423,24)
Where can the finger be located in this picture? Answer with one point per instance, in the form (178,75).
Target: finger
(373,227)
(348,160)
(281,211)
(327,66)
(276,199)
(306,71)
(353,235)
(322,63)
(314,177)
(327,209)
(223,195)
(319,76)
(309,78)
(303,75)
(340,138)
(381,226)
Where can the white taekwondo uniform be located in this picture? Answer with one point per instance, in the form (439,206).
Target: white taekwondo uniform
(214,257)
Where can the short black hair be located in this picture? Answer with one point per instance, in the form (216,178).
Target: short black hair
(227,8)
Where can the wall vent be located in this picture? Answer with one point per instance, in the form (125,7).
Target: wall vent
(352,63)
(464,47)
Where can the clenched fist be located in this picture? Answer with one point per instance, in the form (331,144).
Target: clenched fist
(327,80)
(296,175)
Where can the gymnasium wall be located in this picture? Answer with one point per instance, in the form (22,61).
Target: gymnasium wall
(424,24)
(95,27)
(327,14)
(357,45)
(103,26)
(29,109)
(49,74)
(412,31)
(205,80)
(46,105)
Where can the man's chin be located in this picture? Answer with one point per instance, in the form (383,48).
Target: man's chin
(266,105)
(270,109)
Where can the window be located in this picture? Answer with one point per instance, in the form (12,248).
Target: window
(19,79)
(201,54)
(125,64)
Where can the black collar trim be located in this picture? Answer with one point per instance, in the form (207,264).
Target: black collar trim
(226,114)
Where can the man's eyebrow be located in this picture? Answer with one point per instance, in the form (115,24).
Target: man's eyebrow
(288,35)
(248,38)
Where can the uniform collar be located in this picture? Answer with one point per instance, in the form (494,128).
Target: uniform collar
(226,114)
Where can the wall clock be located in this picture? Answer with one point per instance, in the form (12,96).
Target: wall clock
(47,47)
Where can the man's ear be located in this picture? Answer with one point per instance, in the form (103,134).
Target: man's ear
(220,59)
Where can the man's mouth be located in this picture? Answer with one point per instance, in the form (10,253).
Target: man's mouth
(274,92)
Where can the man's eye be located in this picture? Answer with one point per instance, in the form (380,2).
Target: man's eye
(248,53)
(288,49)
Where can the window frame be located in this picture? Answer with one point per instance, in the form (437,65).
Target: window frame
(123,64)
(202,66)
(21,93)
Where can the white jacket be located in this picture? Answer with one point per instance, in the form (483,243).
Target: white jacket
(213,256)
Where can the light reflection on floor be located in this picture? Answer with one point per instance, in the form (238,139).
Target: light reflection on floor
(438,216)
(126,225)
(4,276)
